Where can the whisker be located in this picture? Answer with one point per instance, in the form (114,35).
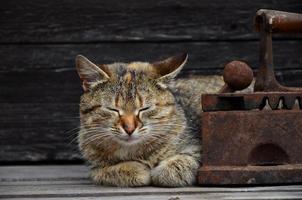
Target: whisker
(94,138)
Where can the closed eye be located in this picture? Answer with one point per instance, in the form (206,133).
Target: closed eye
(114,110)
(143,109)
(90,109)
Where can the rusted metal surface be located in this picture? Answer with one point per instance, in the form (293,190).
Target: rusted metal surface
(254,138)
(251,147)
(252,175)
(237,75)
(277,21)
(266,23)
(250,101)
(242,132)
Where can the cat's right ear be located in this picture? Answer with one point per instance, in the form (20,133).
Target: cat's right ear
(89,73)
(169,68)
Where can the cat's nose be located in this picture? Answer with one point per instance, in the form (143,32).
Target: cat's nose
(129,123)
(129,128)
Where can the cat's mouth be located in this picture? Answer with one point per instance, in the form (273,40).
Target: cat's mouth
(129,139)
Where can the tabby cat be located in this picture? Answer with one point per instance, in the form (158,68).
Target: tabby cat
(139,125)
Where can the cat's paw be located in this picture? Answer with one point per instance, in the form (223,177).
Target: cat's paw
(177,171)
(126,174)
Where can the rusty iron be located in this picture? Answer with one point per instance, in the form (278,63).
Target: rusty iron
(256,137)
(268,22)
(237,75)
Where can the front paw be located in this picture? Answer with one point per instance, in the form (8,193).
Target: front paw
(126,174)
(177,171)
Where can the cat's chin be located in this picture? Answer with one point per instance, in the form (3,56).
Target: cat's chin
(128,140)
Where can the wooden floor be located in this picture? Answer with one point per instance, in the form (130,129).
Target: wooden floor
(71,182)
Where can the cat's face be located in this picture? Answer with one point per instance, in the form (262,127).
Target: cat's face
(128,103)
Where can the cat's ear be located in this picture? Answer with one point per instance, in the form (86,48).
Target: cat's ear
(89,73)
(170,67)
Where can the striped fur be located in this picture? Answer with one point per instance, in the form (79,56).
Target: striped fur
(164,149)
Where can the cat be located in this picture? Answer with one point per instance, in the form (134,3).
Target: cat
(139,124)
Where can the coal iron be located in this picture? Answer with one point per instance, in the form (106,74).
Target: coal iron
(254,138)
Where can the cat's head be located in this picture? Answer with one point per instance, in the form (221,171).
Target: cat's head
(129,102)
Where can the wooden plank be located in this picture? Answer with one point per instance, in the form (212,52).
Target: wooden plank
(33,175)
(70,182)
(88,189)
(56,175)
(218,196)
(203,56)
(40,119)
(47,173)
(114,20)
(39,132)
(51,152)
(40,86)
(168,196)
(46,181)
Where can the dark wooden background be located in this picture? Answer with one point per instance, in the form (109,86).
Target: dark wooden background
(39,88)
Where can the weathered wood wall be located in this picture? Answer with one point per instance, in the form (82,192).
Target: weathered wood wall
(39,88)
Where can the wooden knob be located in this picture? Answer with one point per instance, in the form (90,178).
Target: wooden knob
(237,75)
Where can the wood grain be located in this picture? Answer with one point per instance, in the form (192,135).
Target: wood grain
(242,196)
(76,21)
(71,182)
(204,57)
(39,132)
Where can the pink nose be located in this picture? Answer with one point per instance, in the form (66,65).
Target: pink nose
(129,128)
(129,123)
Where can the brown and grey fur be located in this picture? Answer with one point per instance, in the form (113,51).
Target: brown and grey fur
(166,150)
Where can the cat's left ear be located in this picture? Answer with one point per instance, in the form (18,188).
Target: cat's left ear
(89,73)
(170,67)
